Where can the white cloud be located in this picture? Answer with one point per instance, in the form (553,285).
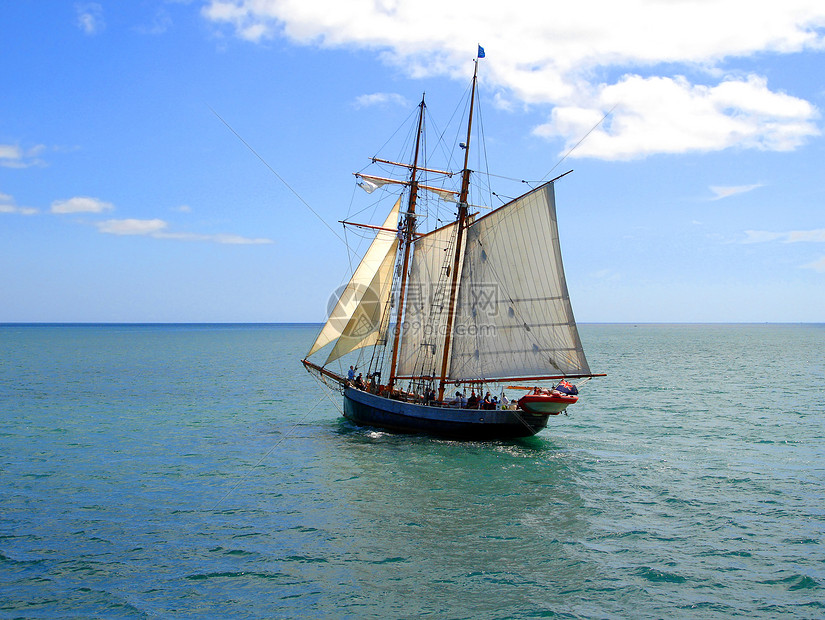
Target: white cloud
(238,240)
(671,115)
(10,152)
(7,205)
(131,227)
(13,156)
(90,17)
(81,204)
(815,236)
(793,236)
(380,99)
(761,236)
(157,228)
(817,265)
(541,56)
(731,190)
(223,239)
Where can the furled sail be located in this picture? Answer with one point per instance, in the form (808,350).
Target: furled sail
(445,194)
(370,183)
(513,313)
(358,303)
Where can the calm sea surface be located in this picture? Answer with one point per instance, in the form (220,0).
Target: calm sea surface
(198,471)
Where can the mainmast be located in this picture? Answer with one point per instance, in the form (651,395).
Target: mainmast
(462,217)
(409,234)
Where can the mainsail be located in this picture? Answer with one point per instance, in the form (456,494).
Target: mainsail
(356,319)
(513,316)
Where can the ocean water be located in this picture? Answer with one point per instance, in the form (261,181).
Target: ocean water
(197,471)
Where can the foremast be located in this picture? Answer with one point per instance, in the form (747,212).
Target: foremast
(409,234)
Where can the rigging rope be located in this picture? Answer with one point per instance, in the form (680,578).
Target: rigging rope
(280,178)
(575,146)
(270,451)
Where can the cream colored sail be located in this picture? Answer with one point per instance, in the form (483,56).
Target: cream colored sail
(425,309)
(359,290)
(364,326)
(513,315)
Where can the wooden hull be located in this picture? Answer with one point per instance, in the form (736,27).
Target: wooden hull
(372,410)
(546,404)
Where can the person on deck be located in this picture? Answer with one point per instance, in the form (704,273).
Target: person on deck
(472,402)
(351,374)
(359,382)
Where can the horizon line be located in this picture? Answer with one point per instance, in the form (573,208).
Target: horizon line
(309,323)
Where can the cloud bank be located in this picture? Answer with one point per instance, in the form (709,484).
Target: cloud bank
(581,60)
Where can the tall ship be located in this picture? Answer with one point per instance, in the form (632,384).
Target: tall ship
(454,305)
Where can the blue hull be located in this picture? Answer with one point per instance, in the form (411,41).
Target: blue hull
(371,410)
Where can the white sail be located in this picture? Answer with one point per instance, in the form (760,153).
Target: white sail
(359,290)
(513,313)
(425,309)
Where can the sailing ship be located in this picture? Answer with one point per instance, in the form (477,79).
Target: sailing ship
(466,306)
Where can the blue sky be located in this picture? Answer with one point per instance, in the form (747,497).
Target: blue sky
(123,197)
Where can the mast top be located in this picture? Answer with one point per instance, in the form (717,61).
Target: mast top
(465,173)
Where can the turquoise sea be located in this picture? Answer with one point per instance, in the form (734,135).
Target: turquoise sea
(196,471)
